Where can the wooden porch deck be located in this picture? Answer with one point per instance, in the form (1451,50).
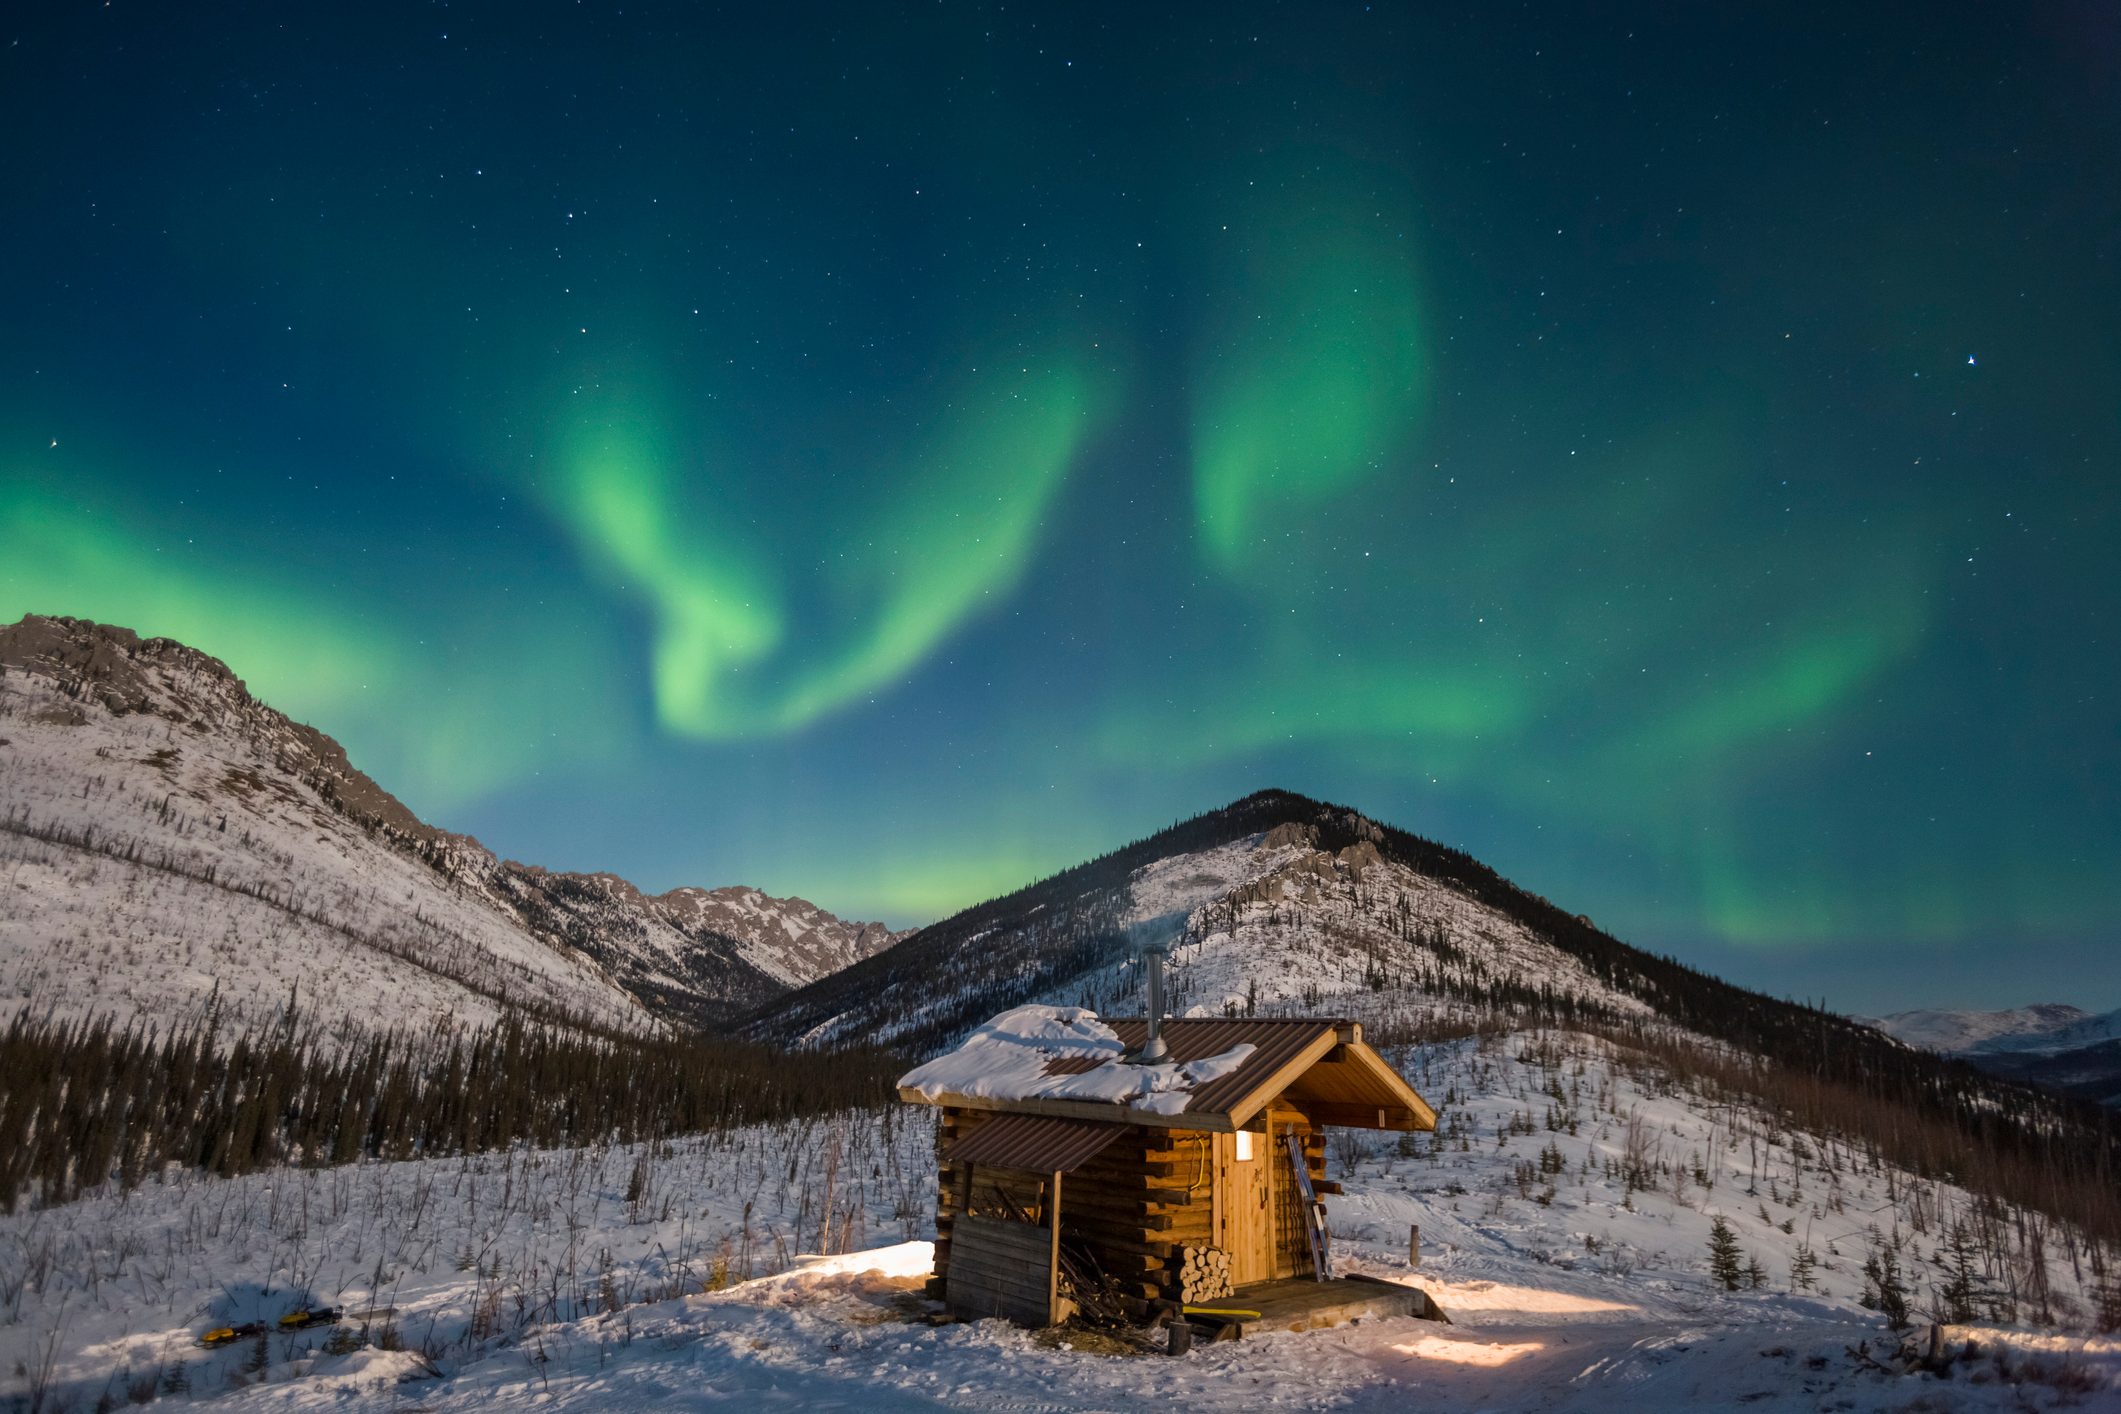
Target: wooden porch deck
(1301,1304)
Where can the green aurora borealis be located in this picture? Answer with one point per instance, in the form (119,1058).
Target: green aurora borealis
(891,455)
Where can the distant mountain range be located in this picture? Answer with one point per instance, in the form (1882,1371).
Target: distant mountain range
(169,844)
(2058,1046)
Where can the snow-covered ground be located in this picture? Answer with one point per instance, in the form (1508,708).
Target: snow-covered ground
(615,1278)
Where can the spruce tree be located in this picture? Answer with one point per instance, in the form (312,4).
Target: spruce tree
(1804,1268)
(1726,1263)
(1884,1291)
(2108,1298)
(1956,1296)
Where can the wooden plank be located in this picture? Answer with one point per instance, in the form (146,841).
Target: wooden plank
(969,1299)
(999,1257)
(1005,1277)
(1000,1235)
(979,1293)
(975,1258)
(1114,1231)
(1000,1268)
(1107,1195)
(1008,1283)
(1011,1276)
(1053,1222)
(980,1244)
(971,1296)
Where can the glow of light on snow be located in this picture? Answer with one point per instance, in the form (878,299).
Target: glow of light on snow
(1497,1297)
(900,1260)
(1467,1352)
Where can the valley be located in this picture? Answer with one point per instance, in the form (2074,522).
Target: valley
(181,862)
(1564,1208)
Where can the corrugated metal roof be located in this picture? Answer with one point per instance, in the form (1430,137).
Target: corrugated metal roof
(1358,1080)
(1041,1143)
(1275,1041)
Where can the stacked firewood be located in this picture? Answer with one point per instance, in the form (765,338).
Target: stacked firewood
(1203,1274)
(1097,1297)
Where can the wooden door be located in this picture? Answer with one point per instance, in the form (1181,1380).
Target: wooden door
(1245,1190)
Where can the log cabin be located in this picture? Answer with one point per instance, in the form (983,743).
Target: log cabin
(1128,1164)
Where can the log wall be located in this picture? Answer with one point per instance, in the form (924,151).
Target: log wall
(1292,1244)
(1132,1206)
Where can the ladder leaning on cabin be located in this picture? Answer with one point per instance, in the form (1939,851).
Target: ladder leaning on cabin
(1314,1210)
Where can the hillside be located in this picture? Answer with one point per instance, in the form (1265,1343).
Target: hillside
(1565,1207)
(170,844)
(1281,904)
(1278,903)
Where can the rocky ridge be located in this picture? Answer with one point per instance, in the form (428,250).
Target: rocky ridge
(175,843)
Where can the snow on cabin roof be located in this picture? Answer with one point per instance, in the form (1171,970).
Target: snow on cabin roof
(1067,1054)
(1067,1059)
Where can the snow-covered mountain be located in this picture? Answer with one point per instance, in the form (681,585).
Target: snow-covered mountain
(2051,1026)
(2054,1045)
(1274,904)
(167,841)
(1280,905)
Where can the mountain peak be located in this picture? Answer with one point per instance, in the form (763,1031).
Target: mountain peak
(126,674)
(237,858)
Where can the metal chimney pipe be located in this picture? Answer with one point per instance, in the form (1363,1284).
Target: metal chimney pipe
(1154,1049)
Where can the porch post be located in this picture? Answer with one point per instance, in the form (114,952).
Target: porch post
(1053,1253)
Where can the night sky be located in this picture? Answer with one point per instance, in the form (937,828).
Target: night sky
(893,454)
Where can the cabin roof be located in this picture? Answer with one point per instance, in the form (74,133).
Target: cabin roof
(1276,1043)
(1065,1063)
(1041,1143)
